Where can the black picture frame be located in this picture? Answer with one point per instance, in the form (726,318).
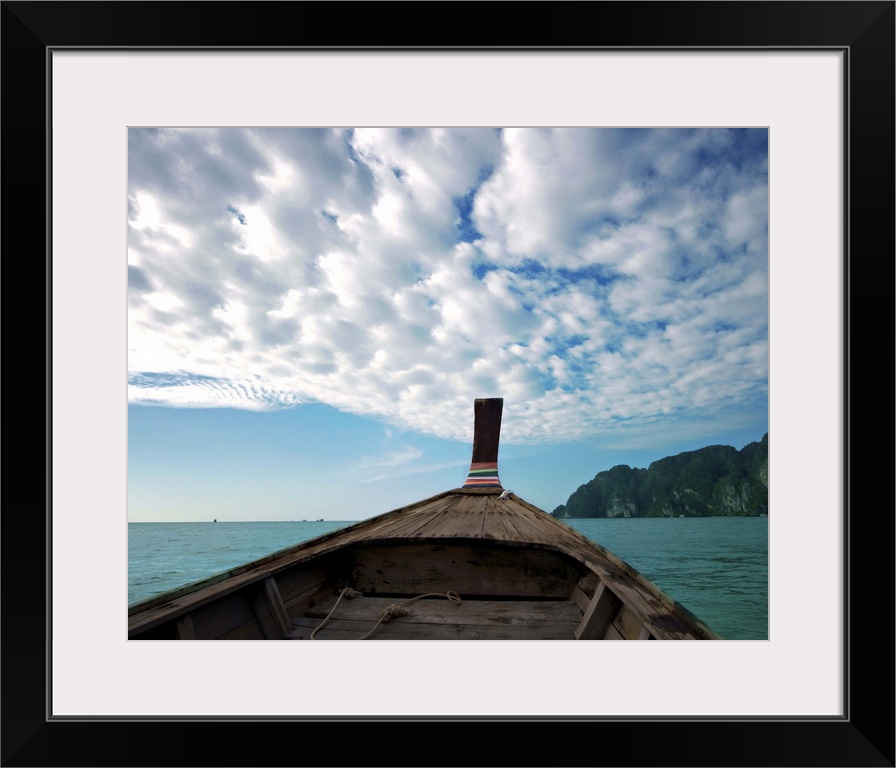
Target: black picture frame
(864,736)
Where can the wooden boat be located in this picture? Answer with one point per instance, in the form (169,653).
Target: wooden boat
(473,563)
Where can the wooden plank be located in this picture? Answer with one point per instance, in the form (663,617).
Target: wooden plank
(158,610)
(581,600)
(411,524)
(667,619)
(612,634)
(672,620)
(216,590)
(185,629)
(216,619)
(484,516)
(628,623)
(496,524)
(600,613)
(529,527)
(270,628)
(464,520)
(248,631)
(456,519)
(663,623)
(302,578)
(340,629)
(269,611)
(442,611)
(276,601)
(509,523)
(589,582)
(300,603)
(584,590)
(488,504)
(644,634)
(486,428)
(467,569)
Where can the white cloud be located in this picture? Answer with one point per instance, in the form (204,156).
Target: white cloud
(597,280)
(394,458)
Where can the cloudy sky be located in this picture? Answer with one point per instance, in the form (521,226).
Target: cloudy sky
(311,312)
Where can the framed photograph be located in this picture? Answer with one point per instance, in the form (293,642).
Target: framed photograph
(814,78)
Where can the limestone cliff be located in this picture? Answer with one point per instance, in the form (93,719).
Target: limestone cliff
(714,481)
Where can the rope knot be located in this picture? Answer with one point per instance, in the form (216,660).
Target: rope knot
(394,611)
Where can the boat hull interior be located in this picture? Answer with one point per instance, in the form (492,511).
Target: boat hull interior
(419,590)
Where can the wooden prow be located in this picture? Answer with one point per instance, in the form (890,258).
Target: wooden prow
(486,436)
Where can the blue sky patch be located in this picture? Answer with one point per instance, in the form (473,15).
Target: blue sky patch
(239,216)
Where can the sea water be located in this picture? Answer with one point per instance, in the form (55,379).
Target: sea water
(716,567)
(164,556)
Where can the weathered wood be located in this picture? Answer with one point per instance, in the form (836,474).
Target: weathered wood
(410,525)
(600,613)
(273,595)
(588,583)
(185,629)
(340,629)
(439,610)
(302,602)
(497,523)
(269,611)
(521,529)
(464,568)
(581,600)
(662,622)
(486,428)
(523,552)
(628,623)
(216,619)
(583,592)
(299,580)
(469,540)
(612,634)
(462,519)
(648,594)
(248,631)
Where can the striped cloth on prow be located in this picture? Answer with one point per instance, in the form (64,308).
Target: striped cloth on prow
(483,474)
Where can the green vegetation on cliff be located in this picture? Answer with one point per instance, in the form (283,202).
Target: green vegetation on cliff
(714,481)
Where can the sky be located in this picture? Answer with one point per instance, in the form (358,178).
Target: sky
(313,311)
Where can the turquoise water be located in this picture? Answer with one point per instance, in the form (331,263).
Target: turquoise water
(163,556)
(717,567)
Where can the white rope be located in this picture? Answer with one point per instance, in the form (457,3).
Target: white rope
(393,610)
(348,591)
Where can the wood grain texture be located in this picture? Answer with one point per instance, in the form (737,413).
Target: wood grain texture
(466,540)
(599,615)
(487,428)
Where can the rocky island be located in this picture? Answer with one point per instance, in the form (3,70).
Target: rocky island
(714,481)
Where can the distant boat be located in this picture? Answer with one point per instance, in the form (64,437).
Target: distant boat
(215,520)
(473,563)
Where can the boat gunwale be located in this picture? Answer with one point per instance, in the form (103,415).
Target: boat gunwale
(221,585)
(591,555)
(254,565)
(670,602)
